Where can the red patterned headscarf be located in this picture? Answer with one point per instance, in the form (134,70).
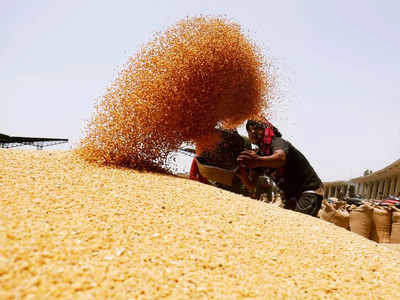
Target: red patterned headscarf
(270,132)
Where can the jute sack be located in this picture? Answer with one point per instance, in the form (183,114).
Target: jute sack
(321,210)
(339,217)
(361,220)
(382,221)
(395,235)
(278,202)
(326,212)
(339,204)
(342,218)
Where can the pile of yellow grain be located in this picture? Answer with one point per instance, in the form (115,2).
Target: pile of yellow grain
(71,229)
(198,73)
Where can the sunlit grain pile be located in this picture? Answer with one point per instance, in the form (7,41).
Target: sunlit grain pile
(199,73)
(72,230)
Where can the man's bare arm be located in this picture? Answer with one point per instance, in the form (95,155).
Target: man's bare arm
(276,160)
(252,160)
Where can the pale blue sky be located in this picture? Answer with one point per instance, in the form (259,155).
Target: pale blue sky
(339,68)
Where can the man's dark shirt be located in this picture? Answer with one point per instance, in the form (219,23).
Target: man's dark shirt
(298,175)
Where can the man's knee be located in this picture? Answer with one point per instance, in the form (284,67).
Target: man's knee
(309,203)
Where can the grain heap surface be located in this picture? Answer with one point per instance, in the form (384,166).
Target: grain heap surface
(73,230)
(199,73)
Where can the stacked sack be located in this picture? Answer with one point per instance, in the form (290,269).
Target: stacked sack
(378,223)
(395,234)
(335,213)
(361,220)
(381,224)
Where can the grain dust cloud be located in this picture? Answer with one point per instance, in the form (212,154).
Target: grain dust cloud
(200,73)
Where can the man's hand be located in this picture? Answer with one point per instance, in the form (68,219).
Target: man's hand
(249,159)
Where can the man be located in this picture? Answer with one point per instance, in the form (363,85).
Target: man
(223,155)
(287,166)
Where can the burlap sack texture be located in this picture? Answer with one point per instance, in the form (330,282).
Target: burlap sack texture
(382,223)
(378,223)
(335,214)
(395,234)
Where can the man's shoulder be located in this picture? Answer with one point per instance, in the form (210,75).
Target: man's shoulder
(247,143)
(279,139)
(280,143)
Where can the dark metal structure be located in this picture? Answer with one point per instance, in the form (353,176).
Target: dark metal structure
(7,141)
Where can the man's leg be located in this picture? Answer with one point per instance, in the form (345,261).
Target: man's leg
(309,203)
(289,203)
(236,185)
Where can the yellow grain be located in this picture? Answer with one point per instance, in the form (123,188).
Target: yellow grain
(70,229)
(198,73)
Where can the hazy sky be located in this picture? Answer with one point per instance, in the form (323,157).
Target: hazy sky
(339,68)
